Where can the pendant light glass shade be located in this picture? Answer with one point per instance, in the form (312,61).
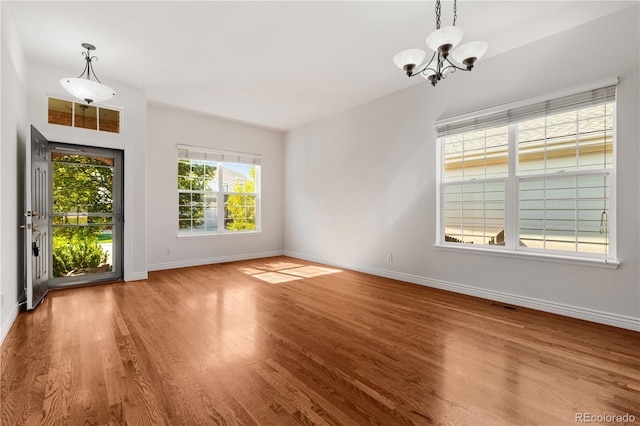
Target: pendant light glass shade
(83,87)
(409,57)
(470,50)
(87,90)
(446,35)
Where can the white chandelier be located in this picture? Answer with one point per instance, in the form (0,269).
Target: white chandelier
(83,87)
(442,41)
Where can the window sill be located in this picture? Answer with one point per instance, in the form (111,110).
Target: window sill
(214,234)
(584,261)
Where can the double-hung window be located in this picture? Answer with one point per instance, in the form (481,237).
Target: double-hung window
(535,177)
(218,191)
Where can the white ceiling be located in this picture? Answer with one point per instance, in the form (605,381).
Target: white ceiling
(279,64)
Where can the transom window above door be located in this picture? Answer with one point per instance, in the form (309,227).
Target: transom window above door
(76,114)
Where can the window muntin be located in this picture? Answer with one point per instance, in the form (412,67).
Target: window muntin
(562,180)
(217,197)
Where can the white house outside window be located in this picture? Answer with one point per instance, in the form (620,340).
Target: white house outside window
(218,191)
(534,178)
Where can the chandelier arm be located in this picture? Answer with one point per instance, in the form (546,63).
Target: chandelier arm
(86,65)
(453,70)
(92,71)
(454,66)
(426,67)
(85,71)
(434,70)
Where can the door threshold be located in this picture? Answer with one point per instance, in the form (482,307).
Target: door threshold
(63,286)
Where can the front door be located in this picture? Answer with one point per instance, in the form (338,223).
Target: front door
(86,214)
(37,219)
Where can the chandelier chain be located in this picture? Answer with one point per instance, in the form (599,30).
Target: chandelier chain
(455,12)
(438,10)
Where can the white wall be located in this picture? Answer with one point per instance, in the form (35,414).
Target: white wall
(132,139)
(169,126)
(13,113)
(362,183)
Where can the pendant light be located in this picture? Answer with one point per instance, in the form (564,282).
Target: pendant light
(443,42)
(83,87)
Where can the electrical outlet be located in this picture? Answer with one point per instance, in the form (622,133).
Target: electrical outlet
(389,257)
(168,251)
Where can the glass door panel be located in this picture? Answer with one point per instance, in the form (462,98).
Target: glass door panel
(86,219)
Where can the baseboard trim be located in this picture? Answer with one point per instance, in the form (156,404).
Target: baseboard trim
(621,321)
(6,327)
(211,260)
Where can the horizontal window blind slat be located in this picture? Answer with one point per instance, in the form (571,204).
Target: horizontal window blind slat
(495,118)
(206,154)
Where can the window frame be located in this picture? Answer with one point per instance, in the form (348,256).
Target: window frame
(73,114)
(512,194)
(218,157)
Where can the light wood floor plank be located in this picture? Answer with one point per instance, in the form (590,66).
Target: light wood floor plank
(281,341)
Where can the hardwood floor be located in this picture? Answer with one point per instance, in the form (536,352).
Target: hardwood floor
(281,341)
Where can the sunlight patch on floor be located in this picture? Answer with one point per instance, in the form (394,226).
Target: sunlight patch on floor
(281,272)
(250,271)
(310,271)
(278,266)
(275,277)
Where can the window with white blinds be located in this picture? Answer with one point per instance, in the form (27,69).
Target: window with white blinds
(218,191)
(535,177)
